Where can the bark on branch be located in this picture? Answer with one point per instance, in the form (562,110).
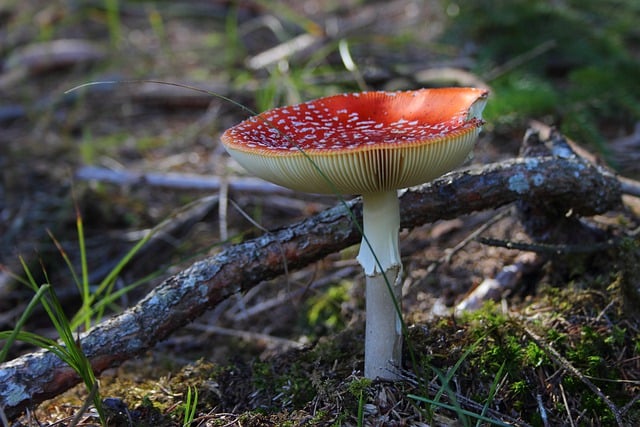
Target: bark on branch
(558,177)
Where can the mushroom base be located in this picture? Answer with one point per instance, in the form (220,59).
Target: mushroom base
(383,329)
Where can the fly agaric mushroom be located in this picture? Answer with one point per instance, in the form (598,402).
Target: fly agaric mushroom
(372,144)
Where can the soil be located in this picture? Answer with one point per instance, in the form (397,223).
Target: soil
(289,352)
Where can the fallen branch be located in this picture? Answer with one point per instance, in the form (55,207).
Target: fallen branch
(177,181)
(582,187)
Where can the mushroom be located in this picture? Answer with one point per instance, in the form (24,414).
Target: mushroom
(372,144)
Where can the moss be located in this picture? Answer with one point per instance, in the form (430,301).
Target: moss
(358,386)
(288,389)
(323,313)
(570,321)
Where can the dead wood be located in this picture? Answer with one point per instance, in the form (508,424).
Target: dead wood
(560,178)
(177,181)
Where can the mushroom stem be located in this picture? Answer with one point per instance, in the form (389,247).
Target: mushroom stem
(380,258)
(380,225)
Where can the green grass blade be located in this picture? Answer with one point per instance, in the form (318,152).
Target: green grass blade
(115,295)
(492,390)
(360,421)
(30,281)
(190,406)
(102,296)
(67,261)
(36,340)
(56,313)
(47,291)
(113,21)
(459,410)
(451,372)
(72,351)
(452,396)
(85,288)
(115,272)
(35,300)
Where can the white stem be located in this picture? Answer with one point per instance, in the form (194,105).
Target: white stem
(380,225)
(383,329)
(383,337)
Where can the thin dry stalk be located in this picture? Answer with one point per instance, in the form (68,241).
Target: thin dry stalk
(557,358)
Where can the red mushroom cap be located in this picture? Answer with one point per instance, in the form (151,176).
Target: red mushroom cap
(362,142)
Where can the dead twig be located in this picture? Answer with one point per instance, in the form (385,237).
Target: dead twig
(308,43)
(550,249)
(450,252)
(177,181)
(565,364)
(566,404)
(244,335)
(474,235)
(629,186)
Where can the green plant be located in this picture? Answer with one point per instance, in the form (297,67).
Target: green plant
(157,24)
(286,390)
(113,21)
(492,391)
(445,381)
(578,68)
(324,309)
(94,303)
(70,351)
(358,388)
(190,406)
(233,48)
(520,95)
(462,413)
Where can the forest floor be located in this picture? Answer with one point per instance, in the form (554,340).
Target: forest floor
(559,344)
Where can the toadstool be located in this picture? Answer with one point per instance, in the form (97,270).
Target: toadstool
(372,144)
